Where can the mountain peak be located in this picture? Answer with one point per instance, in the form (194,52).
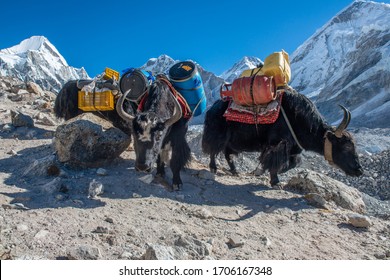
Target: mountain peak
(247,62)
(36,59)
(33,43)
(159,64)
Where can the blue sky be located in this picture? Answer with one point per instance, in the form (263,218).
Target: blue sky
(122,34)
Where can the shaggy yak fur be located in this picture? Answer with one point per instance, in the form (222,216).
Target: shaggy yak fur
(158,131)
(159,134)
(66,107)
(279,151)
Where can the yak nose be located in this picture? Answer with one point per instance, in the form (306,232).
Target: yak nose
(142,167)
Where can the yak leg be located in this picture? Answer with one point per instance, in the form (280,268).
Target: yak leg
(213,165)
(229,158)
(160,167)
(275,158)
(274,179)
(177,183)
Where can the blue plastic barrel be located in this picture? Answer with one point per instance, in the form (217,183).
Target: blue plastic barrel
(186,79)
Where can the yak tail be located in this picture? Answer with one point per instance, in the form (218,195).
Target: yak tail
(66,103)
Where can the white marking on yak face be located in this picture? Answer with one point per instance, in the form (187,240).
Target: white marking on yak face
(149,135)
(145,134)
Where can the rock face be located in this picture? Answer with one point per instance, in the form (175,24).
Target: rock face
(89,141)
(247,62)
(329,189)
(347,62)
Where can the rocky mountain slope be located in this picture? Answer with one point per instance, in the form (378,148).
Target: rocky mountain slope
(347,61)
(36,59)
(247,62)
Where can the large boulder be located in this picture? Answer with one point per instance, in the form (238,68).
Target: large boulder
(310,182)
(89,141)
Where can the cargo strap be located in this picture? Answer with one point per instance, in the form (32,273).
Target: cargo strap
(187,114)
(328,149)
(253,75)
(290,128)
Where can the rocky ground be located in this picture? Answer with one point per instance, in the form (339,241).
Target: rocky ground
(51,213)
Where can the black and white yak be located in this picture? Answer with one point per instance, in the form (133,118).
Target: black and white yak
(278,146)
(159,132)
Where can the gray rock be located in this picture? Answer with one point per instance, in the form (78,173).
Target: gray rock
(331,190)
(89,141)
(34,88)
(41,234)
(95,188)
(316,200)
(43,167)
(19,119)
(265,241)
(160,252)
(101,172)
(196,248)
(45,119)
(21,227)
(84,252)
(206,174)
(52,186)
(359,221)
(203,213)
(235,242)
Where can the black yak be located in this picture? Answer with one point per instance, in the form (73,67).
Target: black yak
(66,106)
(278,147)
(159,132)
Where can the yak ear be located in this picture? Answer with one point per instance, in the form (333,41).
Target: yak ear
(177,113)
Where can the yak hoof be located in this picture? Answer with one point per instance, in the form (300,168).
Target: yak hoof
(177,187)
(274,181)
(213,170)
(230,172)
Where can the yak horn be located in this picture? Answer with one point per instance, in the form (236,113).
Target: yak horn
(177,113)
(119,108)
(344,123)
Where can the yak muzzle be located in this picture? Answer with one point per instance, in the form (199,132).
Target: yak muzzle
(143,167)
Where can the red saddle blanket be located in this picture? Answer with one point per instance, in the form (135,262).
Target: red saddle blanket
(258,114)
(185,108)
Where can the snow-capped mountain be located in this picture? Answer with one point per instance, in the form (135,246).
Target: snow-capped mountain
(159,65)
(347,62)
(36,59)
(247,62)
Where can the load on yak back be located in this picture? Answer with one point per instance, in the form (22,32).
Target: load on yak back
(260,112)
(154,109)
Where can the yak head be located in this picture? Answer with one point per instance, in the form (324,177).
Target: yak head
(150,127)
(340,149)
